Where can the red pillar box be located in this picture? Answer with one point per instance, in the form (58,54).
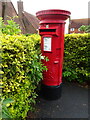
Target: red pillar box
(52,24)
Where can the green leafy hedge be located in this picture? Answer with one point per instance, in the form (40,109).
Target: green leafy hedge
(76,58)
(21,67)
(21,71)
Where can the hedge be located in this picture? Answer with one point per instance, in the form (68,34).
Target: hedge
(21,71)
(76,57)
(22,68)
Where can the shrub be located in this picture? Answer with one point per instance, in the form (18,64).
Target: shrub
(10,28)
(5,104)
(76,58)
(21,71)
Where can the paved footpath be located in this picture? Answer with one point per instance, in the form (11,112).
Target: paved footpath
(72,104)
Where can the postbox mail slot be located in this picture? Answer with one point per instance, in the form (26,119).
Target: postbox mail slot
(47,31)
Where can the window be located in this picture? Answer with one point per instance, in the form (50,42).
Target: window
(78,29)
(72,29)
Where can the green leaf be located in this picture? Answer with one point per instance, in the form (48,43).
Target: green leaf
(8,100)
(5,112)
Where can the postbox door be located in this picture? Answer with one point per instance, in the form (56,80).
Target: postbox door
(51,76)
(49,49)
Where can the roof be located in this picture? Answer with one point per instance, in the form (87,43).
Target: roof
(31,19)
(76,23)
(8,10)
(0,8)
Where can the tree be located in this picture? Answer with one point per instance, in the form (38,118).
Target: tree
(88,29)
(85,28)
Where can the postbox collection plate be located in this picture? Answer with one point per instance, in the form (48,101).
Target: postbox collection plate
(47,41)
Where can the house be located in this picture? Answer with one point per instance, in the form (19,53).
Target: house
(28,22)
(75,24)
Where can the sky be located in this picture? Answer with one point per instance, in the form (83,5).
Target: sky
(78,8)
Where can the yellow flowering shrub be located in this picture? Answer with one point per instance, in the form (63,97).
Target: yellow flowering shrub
(21,71)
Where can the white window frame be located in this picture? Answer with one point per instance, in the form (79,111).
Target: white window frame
(72,29)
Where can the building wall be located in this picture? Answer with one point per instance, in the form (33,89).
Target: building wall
(75,30)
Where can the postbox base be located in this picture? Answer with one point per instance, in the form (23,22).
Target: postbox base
(51,92)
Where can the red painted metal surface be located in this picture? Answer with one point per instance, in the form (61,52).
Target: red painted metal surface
(52,24)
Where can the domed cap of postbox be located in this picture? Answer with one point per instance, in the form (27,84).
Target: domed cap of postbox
(52,15)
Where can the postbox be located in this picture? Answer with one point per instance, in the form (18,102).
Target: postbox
(51,29)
